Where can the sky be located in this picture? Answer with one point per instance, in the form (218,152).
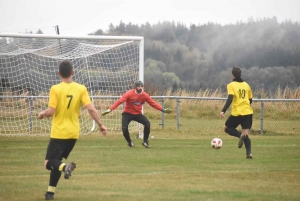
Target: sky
(81,17)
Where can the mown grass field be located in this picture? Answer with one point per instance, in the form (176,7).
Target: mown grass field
(178,166)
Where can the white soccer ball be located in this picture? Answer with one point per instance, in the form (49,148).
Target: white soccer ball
(216,143)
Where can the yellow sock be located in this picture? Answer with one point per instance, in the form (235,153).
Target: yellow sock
(61,167)
(51,189)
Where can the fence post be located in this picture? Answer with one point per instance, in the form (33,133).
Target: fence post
(31,109)
(178,113)
(262,117)
(163,114)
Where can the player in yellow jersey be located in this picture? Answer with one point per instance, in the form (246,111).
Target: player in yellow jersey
(240,96)
(65,101)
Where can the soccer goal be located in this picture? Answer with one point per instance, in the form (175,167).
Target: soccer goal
(106,65)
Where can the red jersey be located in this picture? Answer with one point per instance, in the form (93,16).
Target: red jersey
(134,102)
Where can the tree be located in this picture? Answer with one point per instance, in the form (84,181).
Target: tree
(201,55)
(39,32)
(170,79)
(98,32)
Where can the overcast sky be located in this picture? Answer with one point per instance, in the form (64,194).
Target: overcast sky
(81,17)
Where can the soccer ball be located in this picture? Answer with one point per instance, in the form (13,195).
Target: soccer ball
(216,143)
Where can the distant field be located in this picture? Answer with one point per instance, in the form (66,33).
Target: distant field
(18,117)
(178,166)
(188,126)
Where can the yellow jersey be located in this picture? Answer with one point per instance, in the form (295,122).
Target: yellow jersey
(67,99)
(241,92)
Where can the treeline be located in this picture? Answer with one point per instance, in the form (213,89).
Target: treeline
(197,57)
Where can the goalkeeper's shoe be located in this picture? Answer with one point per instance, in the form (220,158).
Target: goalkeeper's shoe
(146,144)
(241,141)
(249,156)
(130,144)
(69,169)
(49,196)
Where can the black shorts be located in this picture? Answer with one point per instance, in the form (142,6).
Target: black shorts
(140,118)
(59,148)
(234,121)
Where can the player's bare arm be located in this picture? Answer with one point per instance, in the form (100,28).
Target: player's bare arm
(94,114)
(49,112)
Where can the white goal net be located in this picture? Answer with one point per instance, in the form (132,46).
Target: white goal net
(106,65)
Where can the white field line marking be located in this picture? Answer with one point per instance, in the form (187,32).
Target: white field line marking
(105,146)
(148,173)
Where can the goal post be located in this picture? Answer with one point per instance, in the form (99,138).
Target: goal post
(106,65)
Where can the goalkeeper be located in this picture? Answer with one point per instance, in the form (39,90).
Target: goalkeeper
(135,98)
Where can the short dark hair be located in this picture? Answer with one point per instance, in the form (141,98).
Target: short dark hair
(65,68)
(236,71)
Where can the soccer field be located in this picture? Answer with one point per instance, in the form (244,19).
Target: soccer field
(174,168)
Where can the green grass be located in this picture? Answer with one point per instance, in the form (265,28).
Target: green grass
(178,166)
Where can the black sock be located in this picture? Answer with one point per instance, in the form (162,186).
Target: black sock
(247,143)
(54,177)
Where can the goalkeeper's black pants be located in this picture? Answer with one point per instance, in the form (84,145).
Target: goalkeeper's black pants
(140,118)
